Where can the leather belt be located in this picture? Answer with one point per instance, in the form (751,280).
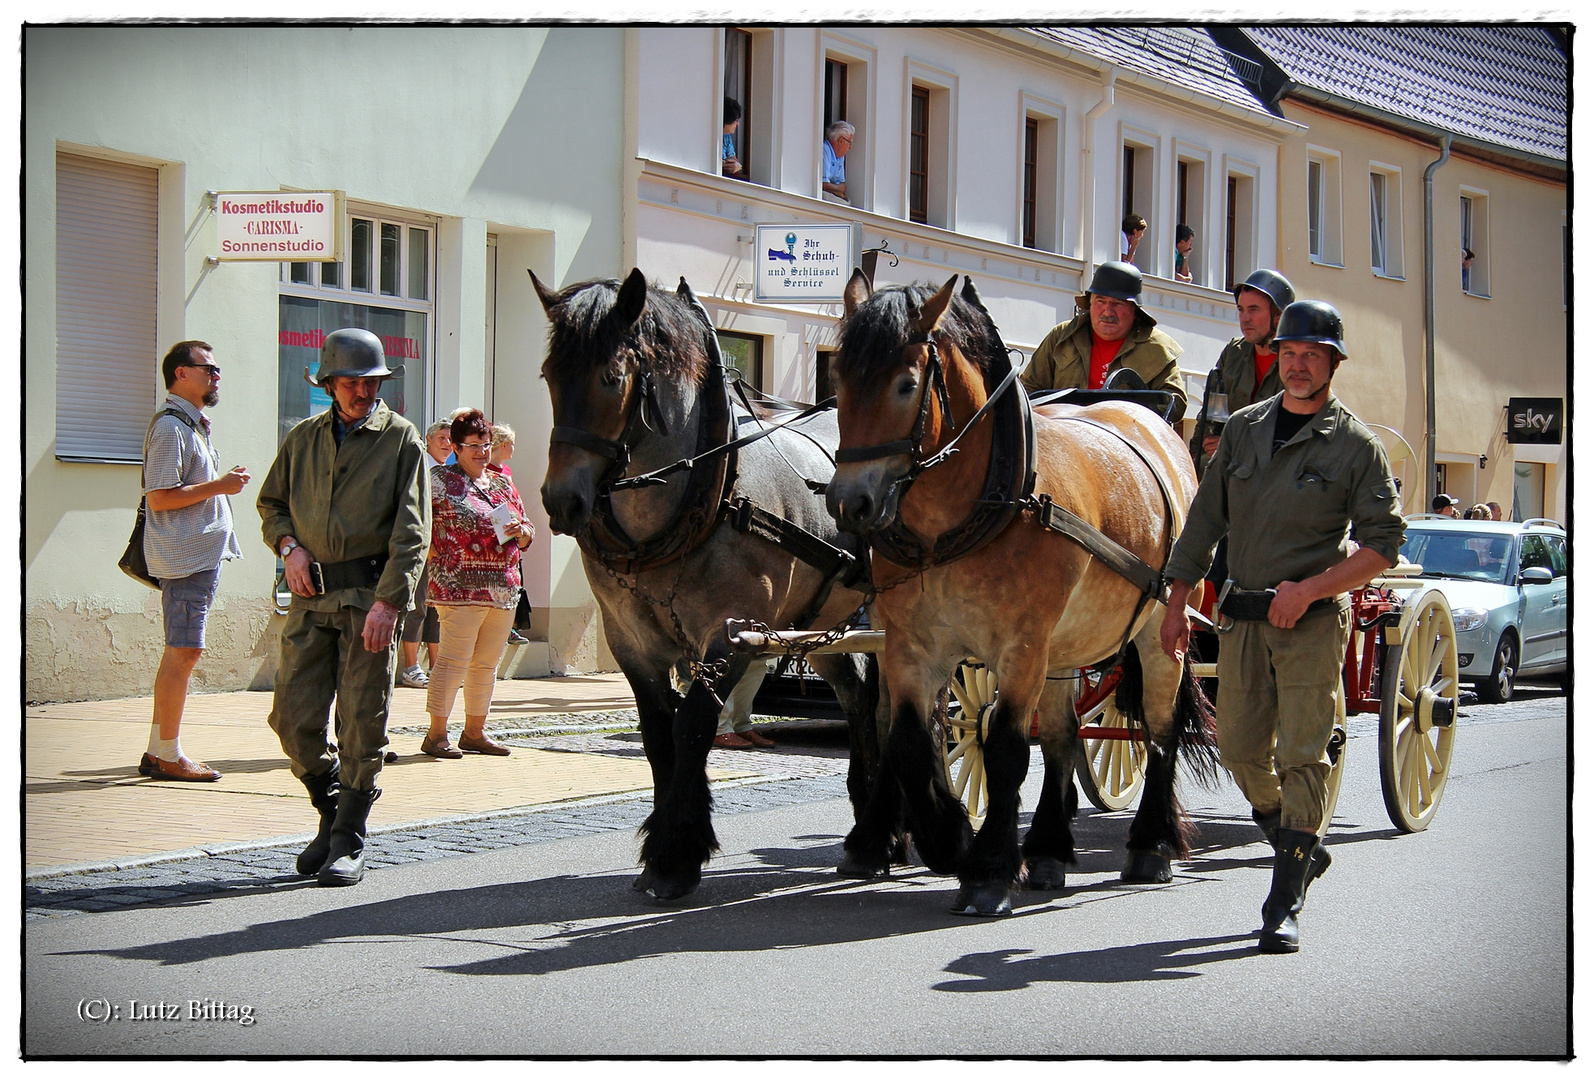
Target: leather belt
(353,573)
(1251,605)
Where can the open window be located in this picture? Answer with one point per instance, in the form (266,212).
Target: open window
(1239,226)
(1474,242)
(1324,234)
(845,98)
(749,82)
(1138,194)
(1190,209)
(1386,234)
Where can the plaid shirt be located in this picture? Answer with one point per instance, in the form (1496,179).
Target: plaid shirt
(197,538)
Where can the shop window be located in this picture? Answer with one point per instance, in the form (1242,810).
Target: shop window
(823,386)
(107,360)
(1475,243)
(1527,491)
(1323,232)
(744,357)
(1384,218)
(388,291)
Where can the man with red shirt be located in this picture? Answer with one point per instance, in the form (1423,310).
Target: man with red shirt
(1110,332)
(1248,365)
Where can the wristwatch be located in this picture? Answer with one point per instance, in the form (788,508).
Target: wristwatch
(287,547)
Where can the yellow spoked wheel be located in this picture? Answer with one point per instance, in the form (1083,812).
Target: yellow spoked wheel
(1110,771)
(1417,721)
(968,722)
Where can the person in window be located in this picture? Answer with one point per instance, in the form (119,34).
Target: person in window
(473,580)
(1183,241)
(1466,267)
(1109,332)
(838,140)
(1134,231)
(730,164)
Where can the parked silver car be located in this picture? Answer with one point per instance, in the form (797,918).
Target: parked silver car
(1506,583)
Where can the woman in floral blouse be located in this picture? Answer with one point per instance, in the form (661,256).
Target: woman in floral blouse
(473,582)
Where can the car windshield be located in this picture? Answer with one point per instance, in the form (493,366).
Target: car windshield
(1459,555)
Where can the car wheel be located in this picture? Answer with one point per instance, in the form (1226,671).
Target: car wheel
(1501,683)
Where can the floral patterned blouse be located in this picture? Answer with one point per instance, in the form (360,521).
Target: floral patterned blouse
(467,564)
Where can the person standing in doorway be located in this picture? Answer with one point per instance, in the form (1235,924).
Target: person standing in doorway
(188,534)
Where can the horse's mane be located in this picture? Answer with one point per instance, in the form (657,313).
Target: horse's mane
(875,333)
(667,337)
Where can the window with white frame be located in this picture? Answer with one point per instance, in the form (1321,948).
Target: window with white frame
(1041,188)
(385,285)
(845,96)
(1138,193)
(931,142)
(748,67)
(1385,221)
(1190,209)
(107,360)
(1475,242)
(1324,233)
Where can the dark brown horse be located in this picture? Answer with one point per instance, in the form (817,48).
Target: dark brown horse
(1030,602)
(636,385)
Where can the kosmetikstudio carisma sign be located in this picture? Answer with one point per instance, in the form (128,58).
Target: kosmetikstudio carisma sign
(279,226)
(809,264)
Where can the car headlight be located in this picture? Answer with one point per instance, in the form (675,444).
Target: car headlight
(1469,618)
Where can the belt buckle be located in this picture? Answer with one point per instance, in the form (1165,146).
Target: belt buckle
(1222,623)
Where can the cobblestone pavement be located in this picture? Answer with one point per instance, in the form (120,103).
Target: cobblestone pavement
(812,767)
(808,765)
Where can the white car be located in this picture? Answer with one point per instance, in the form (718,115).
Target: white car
(1506,583)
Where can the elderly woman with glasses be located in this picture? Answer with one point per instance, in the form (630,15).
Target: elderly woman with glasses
(473,581)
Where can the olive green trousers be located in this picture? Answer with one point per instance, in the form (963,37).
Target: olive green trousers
(1276,712)
(321,658)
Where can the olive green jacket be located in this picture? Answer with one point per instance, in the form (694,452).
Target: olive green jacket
(1287,516)
(1062,360)
(370,496)
(1236,366)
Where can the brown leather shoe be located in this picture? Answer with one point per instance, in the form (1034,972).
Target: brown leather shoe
(730,740)
(483,744)
(442,748)
(752,736)
(181,769)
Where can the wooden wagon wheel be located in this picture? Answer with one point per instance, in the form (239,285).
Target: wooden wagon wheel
(968,722)
(1110,771)
(1417,721)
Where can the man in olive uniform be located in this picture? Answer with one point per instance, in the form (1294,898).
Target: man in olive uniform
(1247,369)
(347,506)
(1111,332)
(1291,474)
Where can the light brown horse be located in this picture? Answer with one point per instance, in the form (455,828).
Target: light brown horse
(1031,603)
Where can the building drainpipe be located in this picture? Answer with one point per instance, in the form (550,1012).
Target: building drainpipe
(1431,485)
(1087,224)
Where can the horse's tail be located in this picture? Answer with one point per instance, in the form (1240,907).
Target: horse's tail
(1197,727)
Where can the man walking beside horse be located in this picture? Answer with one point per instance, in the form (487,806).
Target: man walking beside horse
(1289,477)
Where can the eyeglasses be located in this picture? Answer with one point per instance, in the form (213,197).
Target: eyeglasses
(475,447)
(210,369)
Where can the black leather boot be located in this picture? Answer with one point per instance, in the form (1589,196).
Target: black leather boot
(345,863)
(324,797)
(1269,824)
(1293,860)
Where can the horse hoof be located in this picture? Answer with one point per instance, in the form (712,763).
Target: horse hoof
(855,866)
(985,901)
(1148,868)
(1047,874)
(666,887)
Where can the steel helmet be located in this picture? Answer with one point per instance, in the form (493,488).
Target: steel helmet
(353,353)
(1119,280)
(1312,320)
(1271,284)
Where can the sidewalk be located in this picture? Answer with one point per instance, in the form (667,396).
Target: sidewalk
(86,805)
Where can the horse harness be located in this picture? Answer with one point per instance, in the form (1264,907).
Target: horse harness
(1009,487)
(711,496)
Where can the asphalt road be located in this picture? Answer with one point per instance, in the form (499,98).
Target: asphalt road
(1452,942)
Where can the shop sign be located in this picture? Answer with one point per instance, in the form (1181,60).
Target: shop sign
(808,264)
(1533,419)
(279,226)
